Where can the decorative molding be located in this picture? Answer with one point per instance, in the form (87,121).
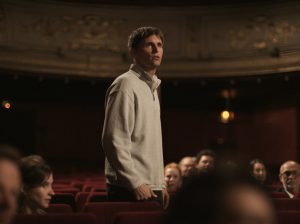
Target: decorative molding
(90,40)
(2,23)
(88,32)
(262,33)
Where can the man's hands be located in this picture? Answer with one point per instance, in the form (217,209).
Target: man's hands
(143,192)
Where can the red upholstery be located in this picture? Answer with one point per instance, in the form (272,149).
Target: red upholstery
(105,211)
(288,217)
(64,198)
(97,197)
(55,219)
(59,208)
(97,186)
(279,195)
(70,190)
(81,199)
(286,204)
(148,217)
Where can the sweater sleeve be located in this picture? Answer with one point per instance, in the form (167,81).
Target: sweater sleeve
(116,137)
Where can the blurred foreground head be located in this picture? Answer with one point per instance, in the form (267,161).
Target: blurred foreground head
(221,199)
(10,182)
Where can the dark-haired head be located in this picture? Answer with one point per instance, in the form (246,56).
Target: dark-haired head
(258,170)
(141,33)
(37,184)
(205,160)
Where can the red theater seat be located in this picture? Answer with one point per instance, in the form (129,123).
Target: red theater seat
(286,204)
(88,187)
(69,190)
(278,195)
(55,219)
(59,208)
(64,198)
(81,199)
(288,217)
(97,197)
(105,211)
(148,217)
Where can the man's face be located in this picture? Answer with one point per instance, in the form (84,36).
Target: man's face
(206,163)
(148,53)
(289,176)
(10,183)
(246,205)
(172,179)
(186,165)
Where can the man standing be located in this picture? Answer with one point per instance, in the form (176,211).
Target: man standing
(132,139)
(289,176)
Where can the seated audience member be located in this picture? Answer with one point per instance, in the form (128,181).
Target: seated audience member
(172,177)
(186,164)
(289,176)
(217,199)
(37,185)
(10,183)
(258,170)
(205,161)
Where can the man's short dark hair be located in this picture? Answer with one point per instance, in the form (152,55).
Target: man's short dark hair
(141,33)
(205,152)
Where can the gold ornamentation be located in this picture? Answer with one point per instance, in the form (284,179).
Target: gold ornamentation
(89,32)
(262,34)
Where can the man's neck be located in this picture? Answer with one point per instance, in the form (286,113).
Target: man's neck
(292,191)
(150,71)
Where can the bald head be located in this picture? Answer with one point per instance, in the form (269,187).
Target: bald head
(289,176)
(186,164)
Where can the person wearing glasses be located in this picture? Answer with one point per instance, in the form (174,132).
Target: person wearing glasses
(290,178)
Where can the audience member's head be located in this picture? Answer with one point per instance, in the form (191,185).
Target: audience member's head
(37,185)
(289,176)
(205,160)
(217,199)
(10,183)
(172,177)
(258,170)
(186,164)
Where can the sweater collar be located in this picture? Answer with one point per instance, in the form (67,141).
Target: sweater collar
(152,81)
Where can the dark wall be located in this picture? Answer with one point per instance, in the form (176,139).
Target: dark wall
(62,120)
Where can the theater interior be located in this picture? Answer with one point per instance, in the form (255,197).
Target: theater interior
(58,57)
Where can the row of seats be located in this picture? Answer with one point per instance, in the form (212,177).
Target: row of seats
(127,217)
(279,203)
(144,217)
(79,200)
(99,213)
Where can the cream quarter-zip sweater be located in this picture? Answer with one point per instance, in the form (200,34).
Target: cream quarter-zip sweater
(131,138)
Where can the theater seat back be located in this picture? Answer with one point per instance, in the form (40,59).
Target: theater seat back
(56,219)
(105,211)
(141,217)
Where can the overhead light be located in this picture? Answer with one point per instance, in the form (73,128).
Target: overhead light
(226,116)
(6,104)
